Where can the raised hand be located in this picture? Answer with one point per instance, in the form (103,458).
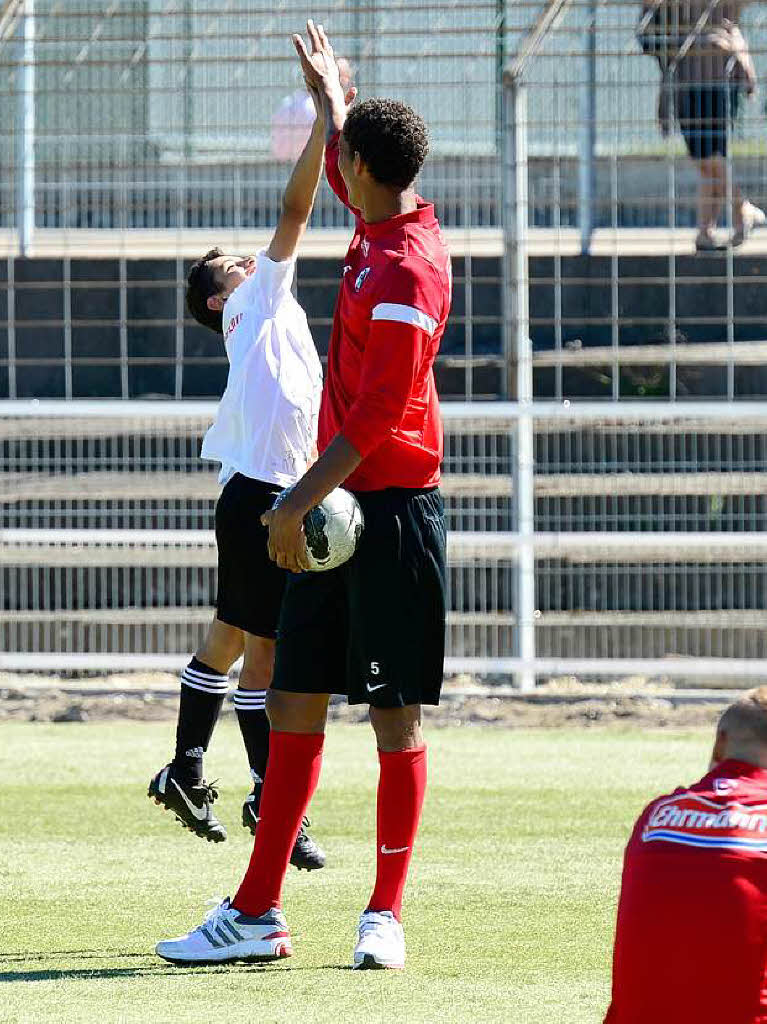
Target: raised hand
(319,66)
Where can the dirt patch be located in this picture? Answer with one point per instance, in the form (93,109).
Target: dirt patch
(154,697)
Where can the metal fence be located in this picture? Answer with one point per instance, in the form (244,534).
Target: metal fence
(602,210)
(116,327)
(106,534)
(144,133)
(633,541)
(150,114)
(592,537)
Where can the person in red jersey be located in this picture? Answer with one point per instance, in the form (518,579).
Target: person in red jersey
(374,628)
(691,936)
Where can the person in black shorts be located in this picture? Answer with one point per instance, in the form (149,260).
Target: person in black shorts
(264,437)
(706,68)
(372,629)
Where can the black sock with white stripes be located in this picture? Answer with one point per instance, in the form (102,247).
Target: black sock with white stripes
(254,726)
(202,694)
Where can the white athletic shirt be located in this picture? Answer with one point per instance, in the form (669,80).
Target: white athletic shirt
(266,424)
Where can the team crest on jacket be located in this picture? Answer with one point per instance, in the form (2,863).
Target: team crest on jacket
(724,785)
(361,278)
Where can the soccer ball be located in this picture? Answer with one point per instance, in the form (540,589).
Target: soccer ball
(332,530)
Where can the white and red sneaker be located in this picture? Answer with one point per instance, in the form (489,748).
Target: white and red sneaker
(381,942)
(226,935)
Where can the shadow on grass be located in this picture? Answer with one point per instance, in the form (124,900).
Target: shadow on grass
(151,969)
(57,954)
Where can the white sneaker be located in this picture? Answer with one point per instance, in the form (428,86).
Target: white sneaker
(381,942)
(227,935)
(753,217)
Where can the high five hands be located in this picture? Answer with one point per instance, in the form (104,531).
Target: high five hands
(319,67)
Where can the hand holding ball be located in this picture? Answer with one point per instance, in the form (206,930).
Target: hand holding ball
(332,529)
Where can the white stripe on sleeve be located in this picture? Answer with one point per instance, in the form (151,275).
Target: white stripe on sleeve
(404,315)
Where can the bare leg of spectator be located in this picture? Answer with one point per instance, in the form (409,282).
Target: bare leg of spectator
(711,196)
(711,200)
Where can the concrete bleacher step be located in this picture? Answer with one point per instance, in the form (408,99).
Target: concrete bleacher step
(186,615)
(175,630)
(203,486)
(151,550)
(670,619)
(741,353)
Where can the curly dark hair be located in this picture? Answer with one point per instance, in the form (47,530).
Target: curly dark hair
(391,139)
(200,285)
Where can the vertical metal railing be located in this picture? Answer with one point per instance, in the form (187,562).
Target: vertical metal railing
(587,140)
(123,165)
(519,355)
(25,133)
(11,300)
(729,221)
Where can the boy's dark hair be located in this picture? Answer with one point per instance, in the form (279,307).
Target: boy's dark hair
(200,285)
(391,139)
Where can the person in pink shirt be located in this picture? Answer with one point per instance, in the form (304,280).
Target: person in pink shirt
(293,119)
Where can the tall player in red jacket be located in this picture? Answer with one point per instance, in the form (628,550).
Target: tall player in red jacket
(691,938)
(374,628)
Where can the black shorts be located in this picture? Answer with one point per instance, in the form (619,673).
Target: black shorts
(705,113)
(250,584)
(373,629)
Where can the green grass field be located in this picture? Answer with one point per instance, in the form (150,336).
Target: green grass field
(508,916)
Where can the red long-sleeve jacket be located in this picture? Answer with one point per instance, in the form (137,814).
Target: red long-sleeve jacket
(390,316)
(691,937)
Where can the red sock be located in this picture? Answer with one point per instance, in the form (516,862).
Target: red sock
(291,778)
(401,788)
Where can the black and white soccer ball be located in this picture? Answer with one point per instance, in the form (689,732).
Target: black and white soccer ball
(332,530)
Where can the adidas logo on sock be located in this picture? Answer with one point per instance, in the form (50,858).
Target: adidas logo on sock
(256,777)
(195,752)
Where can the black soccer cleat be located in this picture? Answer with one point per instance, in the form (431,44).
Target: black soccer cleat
(306,855)
(192,804)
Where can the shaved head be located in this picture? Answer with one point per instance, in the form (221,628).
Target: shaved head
(742,730)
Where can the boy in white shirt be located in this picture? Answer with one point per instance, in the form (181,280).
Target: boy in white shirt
(264,437)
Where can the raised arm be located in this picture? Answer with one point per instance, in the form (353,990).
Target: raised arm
(298,197)
(733,41)
(321,71)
